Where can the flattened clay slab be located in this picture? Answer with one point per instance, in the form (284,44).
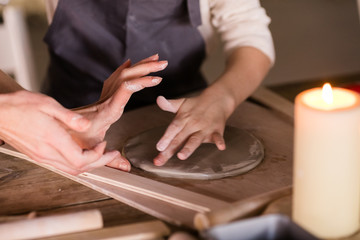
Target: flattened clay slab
(243,153)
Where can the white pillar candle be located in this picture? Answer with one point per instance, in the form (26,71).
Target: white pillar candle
(326,198)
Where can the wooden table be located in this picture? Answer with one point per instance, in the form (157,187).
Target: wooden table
(25,187)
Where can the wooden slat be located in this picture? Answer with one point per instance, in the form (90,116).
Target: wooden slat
(154,189)
(274,101)
(117,184)
(240,209)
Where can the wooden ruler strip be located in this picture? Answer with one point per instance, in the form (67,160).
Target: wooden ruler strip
(162,210)
(144,186)
(155,189)
(238,210)
(274,101)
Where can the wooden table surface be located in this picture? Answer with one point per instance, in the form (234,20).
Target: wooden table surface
(25,187)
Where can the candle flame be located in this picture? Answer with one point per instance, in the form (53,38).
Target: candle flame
(327,93)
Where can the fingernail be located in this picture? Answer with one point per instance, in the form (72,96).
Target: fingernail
(125,166)
(156,80)
(161,146)
(158,161)
(182,156)
(163,65)
(221,146)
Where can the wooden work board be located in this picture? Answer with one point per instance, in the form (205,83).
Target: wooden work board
(34,188)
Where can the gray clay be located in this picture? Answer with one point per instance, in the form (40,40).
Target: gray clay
(243,153)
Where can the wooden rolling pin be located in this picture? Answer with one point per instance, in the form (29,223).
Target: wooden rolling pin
(52,225)
(149,230)
(239,209)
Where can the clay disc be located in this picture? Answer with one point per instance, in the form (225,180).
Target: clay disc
(243,153)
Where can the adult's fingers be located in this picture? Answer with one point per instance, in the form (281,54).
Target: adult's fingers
(126,64)
(164,156)
(135,85)
(75,156)
(138,70)
(105,159)
(89,159)
(120,163)
(143,69)
(109,84)
(71,119)
(169,105)
(173,129)
(48,155)
(127,88)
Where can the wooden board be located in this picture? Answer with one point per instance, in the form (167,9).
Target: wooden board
(273,173)
(144,194)
(274,101)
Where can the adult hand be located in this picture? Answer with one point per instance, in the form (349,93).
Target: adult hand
(198,120)
(116,92)
(34,124)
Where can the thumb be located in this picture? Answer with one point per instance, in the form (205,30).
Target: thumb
(73,120)
(169,105)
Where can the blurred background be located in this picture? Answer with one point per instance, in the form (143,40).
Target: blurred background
(314,40)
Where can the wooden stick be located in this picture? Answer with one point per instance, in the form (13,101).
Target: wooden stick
(238,209)
(112,182)
(52,225)
(154,189)
(274,101)
(144,230)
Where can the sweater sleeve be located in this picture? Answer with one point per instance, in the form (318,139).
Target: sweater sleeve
(242,23)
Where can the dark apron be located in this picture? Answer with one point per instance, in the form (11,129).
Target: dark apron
(88,40)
